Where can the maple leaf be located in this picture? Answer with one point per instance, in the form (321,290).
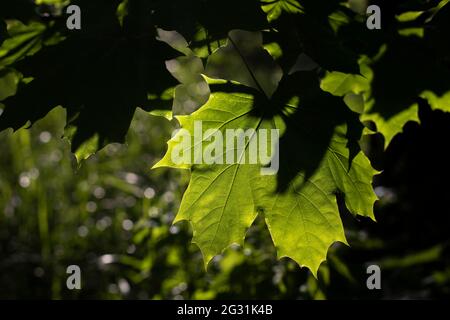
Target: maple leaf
(299,203)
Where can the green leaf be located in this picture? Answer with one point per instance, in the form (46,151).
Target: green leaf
(274,8)
(355,102)
(356,92)
(86,149)
(193,91)
(244,60)
(223,200)
(23,40)
(392,126)
(340,84)
(438,102)
(389,121)
(218,200)
(8,83)
(396,86)
(175,40)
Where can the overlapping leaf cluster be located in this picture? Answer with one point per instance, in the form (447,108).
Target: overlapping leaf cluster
(309,68)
